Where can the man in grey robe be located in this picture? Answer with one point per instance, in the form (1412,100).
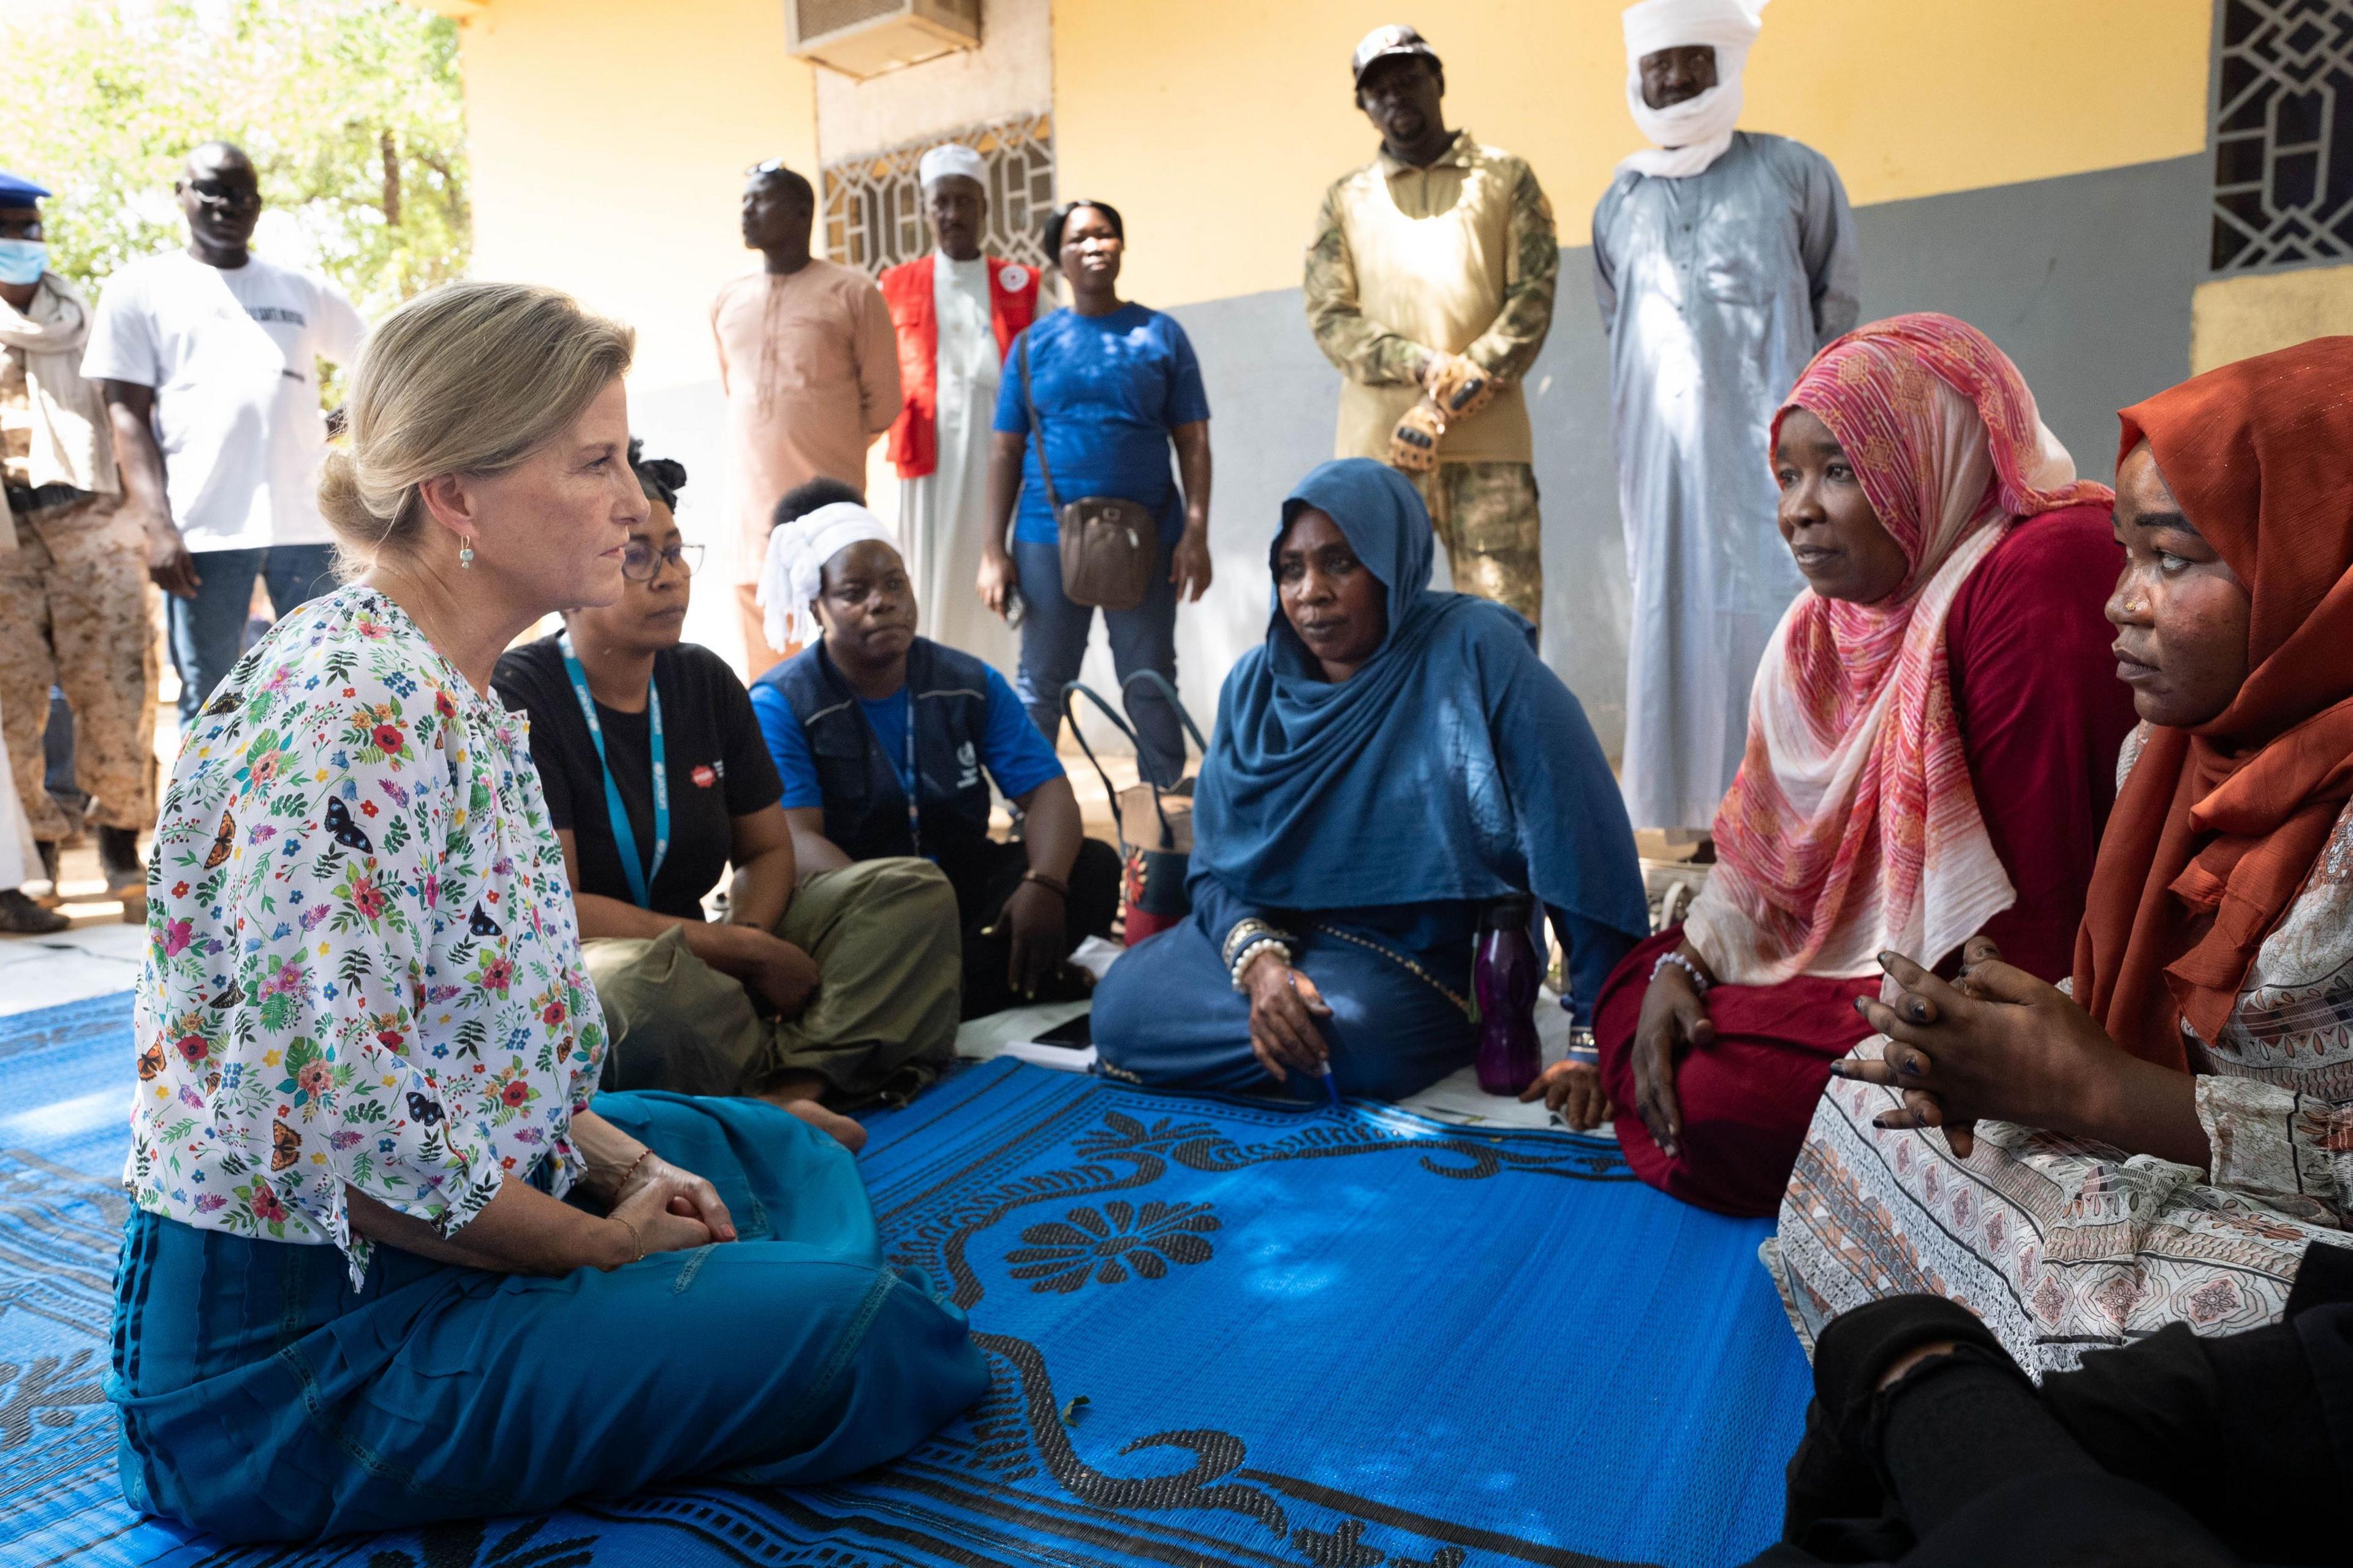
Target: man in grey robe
(1723,260)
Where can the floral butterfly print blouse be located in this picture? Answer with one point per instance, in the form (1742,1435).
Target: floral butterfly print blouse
(363,969)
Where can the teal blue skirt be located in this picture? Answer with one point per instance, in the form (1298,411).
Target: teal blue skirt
(264,1399)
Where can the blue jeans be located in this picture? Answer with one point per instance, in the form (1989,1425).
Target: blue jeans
(208,630)
(1054,644)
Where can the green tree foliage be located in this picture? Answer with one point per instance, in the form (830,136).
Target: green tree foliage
(351,111)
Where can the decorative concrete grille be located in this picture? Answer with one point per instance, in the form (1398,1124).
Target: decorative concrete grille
(874,209)
(2282,133)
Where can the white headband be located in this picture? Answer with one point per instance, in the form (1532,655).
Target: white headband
(950,158)
(795,570)
(1690,135)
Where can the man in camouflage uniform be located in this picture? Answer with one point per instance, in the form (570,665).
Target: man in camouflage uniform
(1430,285)
(73,591)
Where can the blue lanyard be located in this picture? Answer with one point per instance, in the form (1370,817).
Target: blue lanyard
(914,786)
(625,838)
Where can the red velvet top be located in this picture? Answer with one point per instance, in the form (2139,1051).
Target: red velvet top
(2042,717)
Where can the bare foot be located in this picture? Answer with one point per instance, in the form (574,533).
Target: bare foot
(846,1132)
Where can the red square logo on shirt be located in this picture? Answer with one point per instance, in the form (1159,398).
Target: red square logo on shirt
(704,776)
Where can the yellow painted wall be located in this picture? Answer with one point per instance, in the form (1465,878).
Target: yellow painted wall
(610,139)
(2234,317)
(1216,125)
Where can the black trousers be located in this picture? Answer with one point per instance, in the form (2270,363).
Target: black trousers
(2172,1450)
(986,878)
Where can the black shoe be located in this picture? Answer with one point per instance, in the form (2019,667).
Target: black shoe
(117,858)
(19,916)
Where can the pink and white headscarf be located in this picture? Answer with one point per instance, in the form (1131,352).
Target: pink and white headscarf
(1851,826)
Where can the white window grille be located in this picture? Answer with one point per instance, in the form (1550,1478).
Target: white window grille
(874,209)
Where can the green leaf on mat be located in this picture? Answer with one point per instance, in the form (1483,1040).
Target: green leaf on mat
(1071,1412)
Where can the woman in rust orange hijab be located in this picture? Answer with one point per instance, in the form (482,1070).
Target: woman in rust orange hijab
(2165,1151)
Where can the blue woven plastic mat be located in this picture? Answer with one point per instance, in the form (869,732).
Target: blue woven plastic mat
(1223,1332)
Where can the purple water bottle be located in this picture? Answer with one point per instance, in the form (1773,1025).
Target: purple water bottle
(1505,981)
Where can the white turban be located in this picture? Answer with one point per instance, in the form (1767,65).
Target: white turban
(795,570)
(950,158)
(1690,135)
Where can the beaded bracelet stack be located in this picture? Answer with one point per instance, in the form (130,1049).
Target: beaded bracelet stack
(1699,981)
(1246,941)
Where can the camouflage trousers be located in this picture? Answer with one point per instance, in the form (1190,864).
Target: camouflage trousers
(73,614)
(1485,514)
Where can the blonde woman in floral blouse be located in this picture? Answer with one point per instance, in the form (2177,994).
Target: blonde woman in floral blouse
(380,1232)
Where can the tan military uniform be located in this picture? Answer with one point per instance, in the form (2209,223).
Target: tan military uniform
(1457,258)
(73,614)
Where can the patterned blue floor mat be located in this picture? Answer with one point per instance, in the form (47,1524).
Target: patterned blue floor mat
(1223,1333)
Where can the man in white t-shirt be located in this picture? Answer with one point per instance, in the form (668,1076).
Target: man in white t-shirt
(209,360)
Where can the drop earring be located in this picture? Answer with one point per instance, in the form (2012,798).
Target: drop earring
(466,553)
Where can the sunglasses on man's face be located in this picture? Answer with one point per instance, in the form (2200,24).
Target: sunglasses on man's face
(641,563)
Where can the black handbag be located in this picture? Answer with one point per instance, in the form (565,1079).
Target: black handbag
(1111,545)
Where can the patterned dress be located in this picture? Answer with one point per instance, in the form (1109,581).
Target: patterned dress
(2063,1244)
(363,971)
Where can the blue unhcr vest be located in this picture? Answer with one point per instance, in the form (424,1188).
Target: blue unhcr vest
(865,809)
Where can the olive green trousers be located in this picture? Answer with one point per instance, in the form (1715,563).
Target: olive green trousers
(880,1026)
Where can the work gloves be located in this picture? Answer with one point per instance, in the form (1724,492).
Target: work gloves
(1454,388)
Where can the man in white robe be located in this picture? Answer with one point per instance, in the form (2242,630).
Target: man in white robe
(955,311)
(1723,259)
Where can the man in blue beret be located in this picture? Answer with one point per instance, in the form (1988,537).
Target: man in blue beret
(73,592)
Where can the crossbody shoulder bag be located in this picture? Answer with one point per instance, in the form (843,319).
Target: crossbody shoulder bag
(1110,545)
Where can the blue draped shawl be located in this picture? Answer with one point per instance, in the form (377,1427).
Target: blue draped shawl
(1453,765)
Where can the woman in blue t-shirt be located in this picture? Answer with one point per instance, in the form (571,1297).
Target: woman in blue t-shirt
(1113,385)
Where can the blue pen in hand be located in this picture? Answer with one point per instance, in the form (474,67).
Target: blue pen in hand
(1331,1089)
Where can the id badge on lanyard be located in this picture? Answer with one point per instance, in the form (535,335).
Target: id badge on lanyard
(625,838)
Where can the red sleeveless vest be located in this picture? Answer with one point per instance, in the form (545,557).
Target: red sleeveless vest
(915,449)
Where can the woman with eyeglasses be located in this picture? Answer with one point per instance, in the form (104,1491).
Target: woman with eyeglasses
(816,994)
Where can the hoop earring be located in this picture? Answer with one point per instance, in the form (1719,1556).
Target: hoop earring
(466,553)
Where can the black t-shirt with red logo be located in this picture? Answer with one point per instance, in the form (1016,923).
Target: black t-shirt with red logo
(719,768)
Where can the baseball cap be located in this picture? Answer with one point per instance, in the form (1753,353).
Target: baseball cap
(1396,38)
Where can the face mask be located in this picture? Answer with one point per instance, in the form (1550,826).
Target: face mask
(23,260)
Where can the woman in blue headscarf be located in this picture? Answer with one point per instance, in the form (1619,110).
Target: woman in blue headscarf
(1390,761)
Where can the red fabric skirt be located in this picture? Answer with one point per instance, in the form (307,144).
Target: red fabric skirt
(1747,1100)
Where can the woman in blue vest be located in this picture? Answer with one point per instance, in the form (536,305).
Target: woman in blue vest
(1390,760)
(884,738)
(824,988)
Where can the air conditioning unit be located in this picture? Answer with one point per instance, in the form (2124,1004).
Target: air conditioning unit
(866,37)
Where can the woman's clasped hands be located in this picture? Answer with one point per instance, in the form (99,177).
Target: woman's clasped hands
(1993,1043)
(667,1209)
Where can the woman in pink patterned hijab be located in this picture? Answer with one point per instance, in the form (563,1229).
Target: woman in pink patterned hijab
(1932,740)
